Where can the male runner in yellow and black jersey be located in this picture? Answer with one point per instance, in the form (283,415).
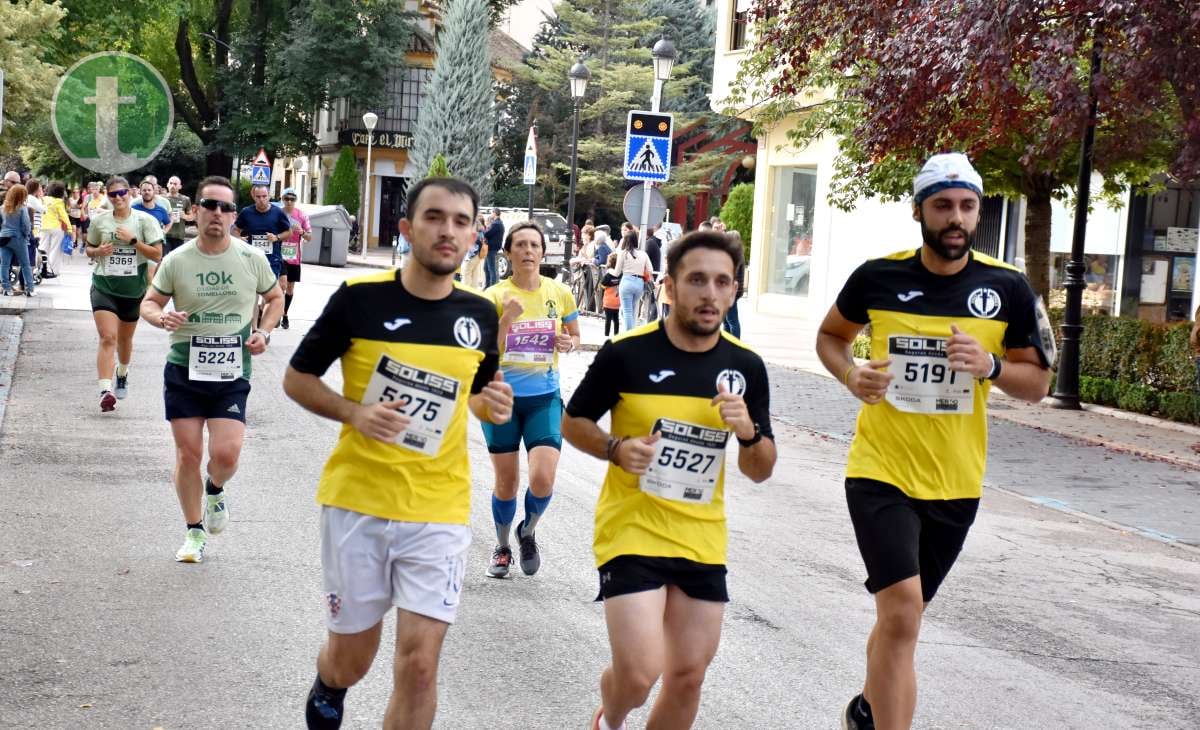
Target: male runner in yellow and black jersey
(676,389)
(946,324)
(417,351)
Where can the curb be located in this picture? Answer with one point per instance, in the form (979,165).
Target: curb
(10,343)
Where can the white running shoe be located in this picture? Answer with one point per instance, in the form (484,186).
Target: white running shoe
(193,547)
(216,513)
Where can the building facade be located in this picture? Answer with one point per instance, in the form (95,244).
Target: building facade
(383,188)
(1141,253)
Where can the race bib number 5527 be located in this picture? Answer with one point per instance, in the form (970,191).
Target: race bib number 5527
(687,462)
(427,398)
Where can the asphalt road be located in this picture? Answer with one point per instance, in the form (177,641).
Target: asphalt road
(1048,620)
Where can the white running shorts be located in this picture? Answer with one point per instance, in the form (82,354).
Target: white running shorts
(371,564)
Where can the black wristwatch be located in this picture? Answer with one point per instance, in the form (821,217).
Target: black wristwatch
(133,241)
(997,366)
(758,436)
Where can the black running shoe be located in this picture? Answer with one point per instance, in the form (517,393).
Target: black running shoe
(531,558)
(284,323)
(322,712)
(854,719)
(501,562)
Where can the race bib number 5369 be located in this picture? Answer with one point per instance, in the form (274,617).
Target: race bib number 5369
(427,398)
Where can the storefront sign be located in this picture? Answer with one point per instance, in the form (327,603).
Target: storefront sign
(387,140)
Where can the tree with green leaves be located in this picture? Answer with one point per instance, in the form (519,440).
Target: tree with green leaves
(29,73)
(1011,91)
(457,119)
(342,188)
(738,212)
(439,168)
(692,28)
(611,36)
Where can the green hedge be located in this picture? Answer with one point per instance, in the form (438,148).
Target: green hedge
(1138,366)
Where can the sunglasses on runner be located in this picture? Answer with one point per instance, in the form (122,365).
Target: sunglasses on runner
(117,193)
(210,204)
(289,199)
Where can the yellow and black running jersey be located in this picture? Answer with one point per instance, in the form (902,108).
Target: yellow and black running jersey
(676,510)
(430,354)
(929,436)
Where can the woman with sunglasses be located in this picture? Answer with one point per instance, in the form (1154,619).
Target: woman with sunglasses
(123,246)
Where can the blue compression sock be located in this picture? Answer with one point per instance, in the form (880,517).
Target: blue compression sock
(535,506)
(503,512)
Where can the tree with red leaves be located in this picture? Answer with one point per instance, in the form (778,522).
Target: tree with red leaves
(1005,81)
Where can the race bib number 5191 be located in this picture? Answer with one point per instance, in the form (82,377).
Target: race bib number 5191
(922,380)
(427,398)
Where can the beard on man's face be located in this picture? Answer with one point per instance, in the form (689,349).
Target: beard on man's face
(933,239)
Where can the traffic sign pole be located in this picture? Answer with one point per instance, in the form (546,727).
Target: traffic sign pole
(643,234)
(530,178)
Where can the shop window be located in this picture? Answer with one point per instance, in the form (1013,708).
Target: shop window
(791,240)
(1100,283)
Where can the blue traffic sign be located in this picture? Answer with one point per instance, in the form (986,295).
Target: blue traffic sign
(260,175)
(648,146)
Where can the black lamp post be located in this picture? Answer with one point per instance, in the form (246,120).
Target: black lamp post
(1066,388)
(579,76)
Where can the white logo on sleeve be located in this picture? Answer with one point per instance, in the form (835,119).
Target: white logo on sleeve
(984,303)
(467,333)
(396,324)
(733,380)
(661,375)
(910,295)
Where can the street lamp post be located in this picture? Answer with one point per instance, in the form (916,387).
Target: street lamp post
(579,76)
(370,119)
(1066,386)
(664,60)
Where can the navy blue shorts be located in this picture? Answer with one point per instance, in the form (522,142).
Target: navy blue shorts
(536,420)
(186,398)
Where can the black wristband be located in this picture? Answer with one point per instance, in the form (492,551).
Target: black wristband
(747,443)
(997,366)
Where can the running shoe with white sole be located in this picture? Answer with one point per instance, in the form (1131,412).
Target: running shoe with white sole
(193,547)
(108,401)
(122,388)
(531,558)
(216,513)
(501,562)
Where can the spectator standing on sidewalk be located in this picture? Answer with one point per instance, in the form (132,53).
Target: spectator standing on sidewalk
(733,324)
(56,225)
(634,268)
(612,300)
(473,266)
(15,230)
(495,241)
(181,215)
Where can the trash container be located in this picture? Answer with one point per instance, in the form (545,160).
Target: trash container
(330,235)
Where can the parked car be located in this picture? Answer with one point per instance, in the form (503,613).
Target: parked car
(555,228)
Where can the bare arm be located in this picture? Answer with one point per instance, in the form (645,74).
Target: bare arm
(1022,375)
(835,342)
(379,421)
(494,403)
(631,454)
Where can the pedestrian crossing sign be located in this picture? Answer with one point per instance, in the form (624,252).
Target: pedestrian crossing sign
(260,175)
(648,146)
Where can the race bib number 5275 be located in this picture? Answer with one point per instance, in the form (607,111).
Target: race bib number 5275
(427,398)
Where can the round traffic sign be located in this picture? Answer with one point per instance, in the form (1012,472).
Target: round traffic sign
(112,112)
(632,206)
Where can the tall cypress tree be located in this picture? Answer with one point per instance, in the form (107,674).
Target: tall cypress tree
(458,116)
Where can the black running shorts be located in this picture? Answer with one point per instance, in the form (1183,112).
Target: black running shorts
(127,309)
(900,537)
(291,271)
(186,398)
(636,573)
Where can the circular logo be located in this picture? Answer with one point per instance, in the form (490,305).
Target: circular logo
(466,333)
(984,303)
(112,112)
(733,380)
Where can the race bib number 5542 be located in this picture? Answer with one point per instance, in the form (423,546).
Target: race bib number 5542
(427,398)
(687,462)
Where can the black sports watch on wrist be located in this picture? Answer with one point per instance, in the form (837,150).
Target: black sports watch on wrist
(758,436)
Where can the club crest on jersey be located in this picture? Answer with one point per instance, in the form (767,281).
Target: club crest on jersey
(551,310)
(466,333)
(984,303)
(733,380)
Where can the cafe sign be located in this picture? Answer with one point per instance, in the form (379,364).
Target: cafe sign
(388,140)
